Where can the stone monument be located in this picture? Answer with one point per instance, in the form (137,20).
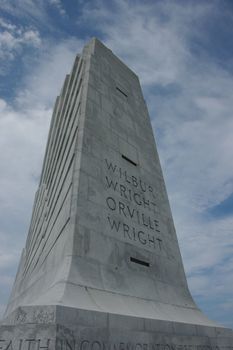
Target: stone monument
(101,269)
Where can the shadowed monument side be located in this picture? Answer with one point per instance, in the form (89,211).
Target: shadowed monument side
(101,268)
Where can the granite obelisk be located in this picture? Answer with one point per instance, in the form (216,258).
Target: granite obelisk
(101,268)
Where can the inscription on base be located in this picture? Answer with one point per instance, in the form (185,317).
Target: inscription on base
(85,344)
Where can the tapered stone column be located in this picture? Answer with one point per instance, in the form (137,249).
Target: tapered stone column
(102,268)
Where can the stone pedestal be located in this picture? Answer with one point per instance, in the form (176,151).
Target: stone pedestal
(64,328)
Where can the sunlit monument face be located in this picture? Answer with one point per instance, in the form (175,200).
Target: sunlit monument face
(101,267)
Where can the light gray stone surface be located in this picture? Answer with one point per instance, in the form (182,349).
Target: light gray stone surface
(63,328)
(101,267)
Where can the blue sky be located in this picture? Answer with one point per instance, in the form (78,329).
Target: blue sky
(183,54)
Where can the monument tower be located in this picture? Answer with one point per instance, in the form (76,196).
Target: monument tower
(101,268)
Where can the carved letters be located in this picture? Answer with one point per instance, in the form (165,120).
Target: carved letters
(132,208)
(25,344)
(85,344)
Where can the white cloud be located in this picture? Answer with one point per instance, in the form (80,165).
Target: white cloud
(6,25)
(14,38)
(7,260)
(31,36)
(32,10)
(59,6)
(2,104)
(42,87)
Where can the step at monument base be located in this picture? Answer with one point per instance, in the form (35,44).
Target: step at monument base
(65,328)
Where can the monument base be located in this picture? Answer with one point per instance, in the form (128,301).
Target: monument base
(65,328)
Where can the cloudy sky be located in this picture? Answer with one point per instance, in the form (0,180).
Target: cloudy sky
(183,53)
